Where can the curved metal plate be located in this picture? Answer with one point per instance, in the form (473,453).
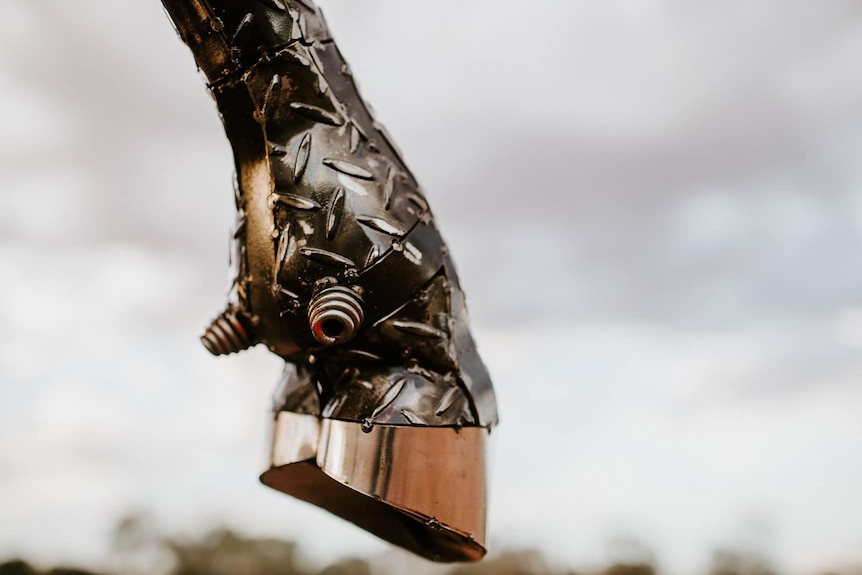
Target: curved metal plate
(422,488)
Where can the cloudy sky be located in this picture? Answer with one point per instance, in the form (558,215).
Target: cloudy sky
(655,207)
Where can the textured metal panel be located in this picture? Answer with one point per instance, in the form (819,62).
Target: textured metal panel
(325,199)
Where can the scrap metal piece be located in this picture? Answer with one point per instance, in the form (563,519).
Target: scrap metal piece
(385,407)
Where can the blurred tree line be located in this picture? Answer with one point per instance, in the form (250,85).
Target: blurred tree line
(138,549)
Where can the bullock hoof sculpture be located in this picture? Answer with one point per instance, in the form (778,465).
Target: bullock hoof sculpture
(385,407)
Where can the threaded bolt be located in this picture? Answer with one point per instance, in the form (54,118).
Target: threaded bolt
(335,315)
(226,334)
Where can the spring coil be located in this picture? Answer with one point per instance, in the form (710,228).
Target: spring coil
(335,315)
(226,335)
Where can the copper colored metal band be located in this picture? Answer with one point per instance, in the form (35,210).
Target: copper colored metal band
(420,488)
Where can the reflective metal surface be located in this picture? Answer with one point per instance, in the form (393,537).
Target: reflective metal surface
(423,483)
(295,438)
(340,270)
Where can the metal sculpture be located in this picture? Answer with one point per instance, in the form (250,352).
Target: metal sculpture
(385,406)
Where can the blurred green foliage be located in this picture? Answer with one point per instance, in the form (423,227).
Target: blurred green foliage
(726,562)
(140,549)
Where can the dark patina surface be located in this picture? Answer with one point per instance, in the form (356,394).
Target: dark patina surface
(324,199)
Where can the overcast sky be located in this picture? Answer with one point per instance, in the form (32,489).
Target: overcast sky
(656,211)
